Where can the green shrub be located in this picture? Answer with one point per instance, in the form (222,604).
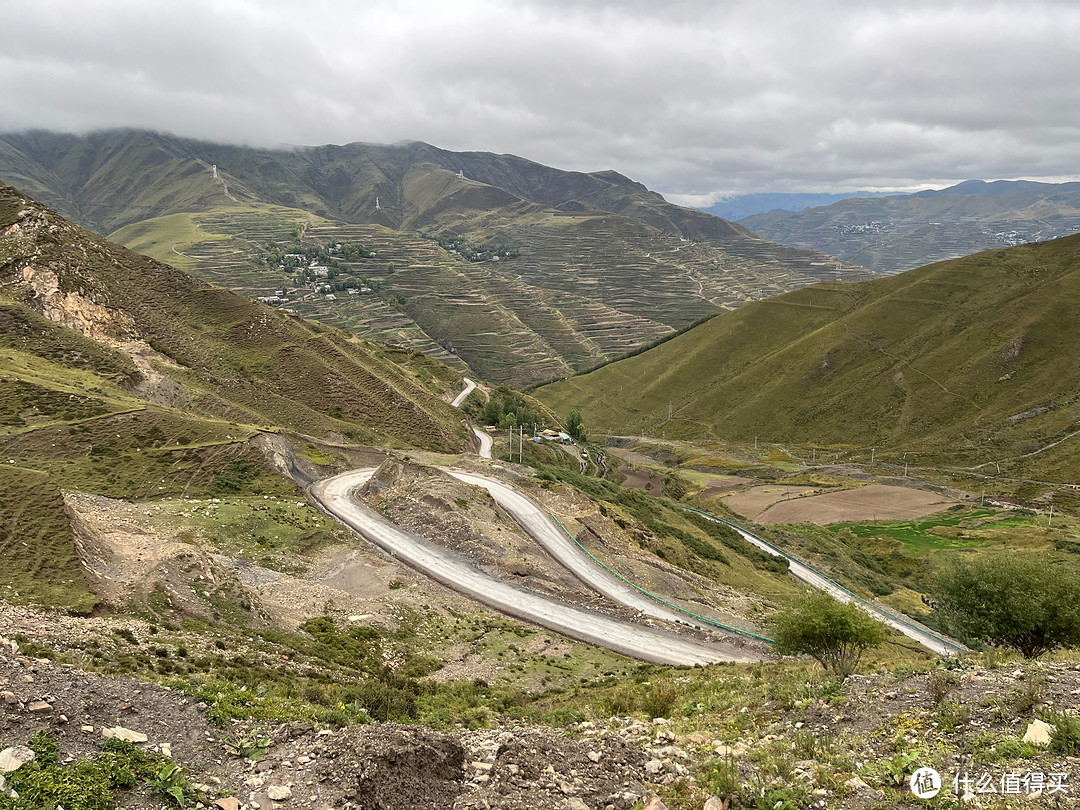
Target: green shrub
(1066,737)
(1029,602)
(660,700)
(834,634)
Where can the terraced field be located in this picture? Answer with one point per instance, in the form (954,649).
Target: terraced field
(586,287)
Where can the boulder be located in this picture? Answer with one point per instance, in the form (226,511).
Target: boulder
(1039,733)
(11,759)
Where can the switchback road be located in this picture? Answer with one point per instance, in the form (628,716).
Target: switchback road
(539,525)
(463,575)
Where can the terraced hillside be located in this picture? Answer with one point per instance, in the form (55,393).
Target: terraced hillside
(599,264)
(891,234)
(967,362)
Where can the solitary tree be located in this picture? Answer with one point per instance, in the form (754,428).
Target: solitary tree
(574,426)
(1029,602)
(833,633)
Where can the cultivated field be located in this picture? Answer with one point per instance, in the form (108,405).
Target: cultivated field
(874,502)
(584,287)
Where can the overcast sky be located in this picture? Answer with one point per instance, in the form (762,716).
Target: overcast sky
(697,99)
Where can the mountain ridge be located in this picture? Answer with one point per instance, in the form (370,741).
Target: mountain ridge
(959,362)
(572,268)
(895,233)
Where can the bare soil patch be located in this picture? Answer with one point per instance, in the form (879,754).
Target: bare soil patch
(754,502)
(874,502)
(642,479)
(632,457)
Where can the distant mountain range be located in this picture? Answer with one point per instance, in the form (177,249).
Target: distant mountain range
(745,205)
(517,271)
(890,234)
(968,362)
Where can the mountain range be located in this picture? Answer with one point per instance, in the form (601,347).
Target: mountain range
(890,234)
(967,362)
(740,206)
(514,270)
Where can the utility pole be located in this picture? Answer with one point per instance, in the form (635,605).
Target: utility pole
(873,450)
(1051,520)
(755,444)
(669,411)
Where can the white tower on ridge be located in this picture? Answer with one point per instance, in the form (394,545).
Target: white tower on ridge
(461,174)
(214,167)
(377,206)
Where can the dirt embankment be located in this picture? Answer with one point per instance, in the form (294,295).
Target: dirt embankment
(466,519)
(379,767)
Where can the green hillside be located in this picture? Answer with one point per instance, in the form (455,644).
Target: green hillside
(125,377)
(967,362)
(593,264)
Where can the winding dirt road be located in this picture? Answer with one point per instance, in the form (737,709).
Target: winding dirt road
(539,525)
(469,386)
(463,575)
(804,573)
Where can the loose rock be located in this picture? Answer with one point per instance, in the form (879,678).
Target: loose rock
(279,793)
(11,759)
(121,733)
(1039,733)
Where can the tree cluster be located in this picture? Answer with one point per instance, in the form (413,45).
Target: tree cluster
(1028,602)
(471,251)
(505,408)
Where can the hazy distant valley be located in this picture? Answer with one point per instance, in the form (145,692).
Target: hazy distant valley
(895,233)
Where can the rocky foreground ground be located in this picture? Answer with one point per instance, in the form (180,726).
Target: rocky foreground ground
(614,763)
(366,767)
(773,736)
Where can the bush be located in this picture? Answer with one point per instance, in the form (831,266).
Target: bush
(1066,737)
(834,634)
(1029,602)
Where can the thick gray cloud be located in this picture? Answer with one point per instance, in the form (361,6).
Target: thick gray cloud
(696,98)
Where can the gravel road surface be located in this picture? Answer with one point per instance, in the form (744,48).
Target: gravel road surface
(458,572)
(933,642)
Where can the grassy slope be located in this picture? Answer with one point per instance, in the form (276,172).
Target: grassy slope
(71,416)
(37,544)
(942,361)
(241,361)
(164,238)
